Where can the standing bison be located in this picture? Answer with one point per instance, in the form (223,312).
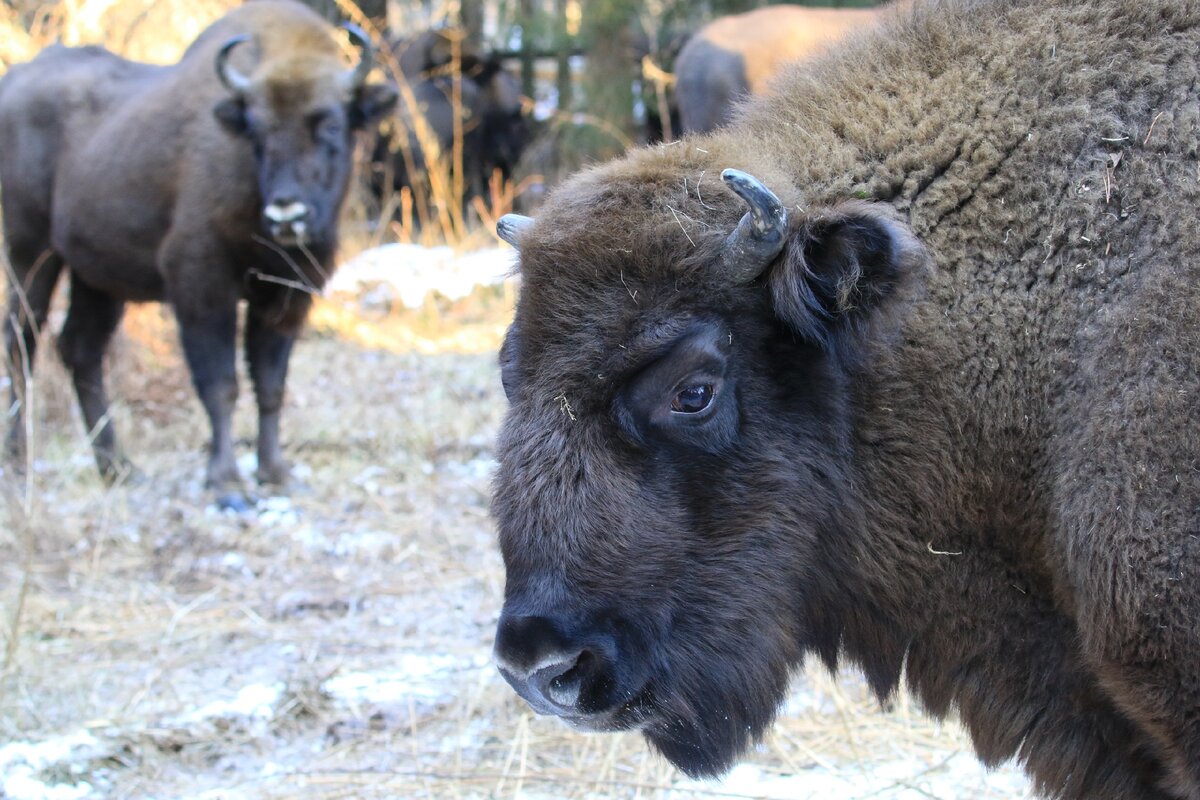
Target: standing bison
(901,370)
(733,57)
(490,115)
(202,184)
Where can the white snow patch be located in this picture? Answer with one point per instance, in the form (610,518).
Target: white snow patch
(310,538)
(410,272)
(367,479)
(417,676)
(477,469)
(367,543)
(21,761)
(247,462)
(21,786)
(276,511)
(256,701)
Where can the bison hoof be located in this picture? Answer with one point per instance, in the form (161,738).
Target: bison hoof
(235,501)
(273,474)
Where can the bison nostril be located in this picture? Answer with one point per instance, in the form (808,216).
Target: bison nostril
(566,674)
(561,683)
(564,690)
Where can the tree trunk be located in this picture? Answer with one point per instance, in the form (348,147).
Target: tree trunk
(528,18)
(470,15)
(563,47)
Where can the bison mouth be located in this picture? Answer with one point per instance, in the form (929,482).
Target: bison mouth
(290,234)
(632,715)
(289,224)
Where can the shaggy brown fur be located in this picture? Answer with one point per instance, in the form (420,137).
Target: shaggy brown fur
(160,183)
(954,430)
(735,56)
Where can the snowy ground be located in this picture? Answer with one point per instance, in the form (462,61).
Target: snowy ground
(409,273)
(335,642)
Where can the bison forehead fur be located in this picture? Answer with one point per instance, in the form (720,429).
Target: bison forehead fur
(950,430)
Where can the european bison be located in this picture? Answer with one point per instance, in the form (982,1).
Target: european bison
(201,184)
(733,57)
(491,114)
(934,411)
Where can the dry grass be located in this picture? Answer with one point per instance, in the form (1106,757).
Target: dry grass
(144,30)
(142,605)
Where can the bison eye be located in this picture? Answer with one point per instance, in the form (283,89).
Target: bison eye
(326,127)
(693,399)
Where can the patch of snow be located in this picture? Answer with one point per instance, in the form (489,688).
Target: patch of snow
(276,511)
(227,562)
(417,676)
(20,762)
(22,786)
(367,479)
(247,463)
(310,538)
(256,701)
(477,469)
(410,272)
(367,543)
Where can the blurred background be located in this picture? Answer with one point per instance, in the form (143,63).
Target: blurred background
(334,641)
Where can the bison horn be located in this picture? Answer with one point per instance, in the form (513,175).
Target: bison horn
(363,42)
(759,236)
(510,226)
(233,80)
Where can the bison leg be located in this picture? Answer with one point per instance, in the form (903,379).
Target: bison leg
(30,288)
(91,320)
(267,352)
(210,347)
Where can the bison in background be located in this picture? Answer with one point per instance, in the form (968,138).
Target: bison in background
(492,115)
(902,369)
(733,57)
(202,184)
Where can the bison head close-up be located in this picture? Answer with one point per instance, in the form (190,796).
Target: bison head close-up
(674,464)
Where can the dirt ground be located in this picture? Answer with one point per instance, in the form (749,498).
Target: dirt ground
(335,642)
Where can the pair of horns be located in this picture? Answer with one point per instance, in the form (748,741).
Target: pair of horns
(238,83)
(753,245)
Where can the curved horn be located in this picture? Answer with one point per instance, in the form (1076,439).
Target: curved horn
(760,234)
(363,42)
(510,227)
(233,80)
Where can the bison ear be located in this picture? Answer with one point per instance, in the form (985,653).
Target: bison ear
(231,113)
(840,268)
(372,101)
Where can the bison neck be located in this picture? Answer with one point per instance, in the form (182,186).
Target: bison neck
(946,559)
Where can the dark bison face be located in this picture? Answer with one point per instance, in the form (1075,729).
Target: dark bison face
(300,114)
(674,466)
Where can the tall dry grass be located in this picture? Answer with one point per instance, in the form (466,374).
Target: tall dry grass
(143,30)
